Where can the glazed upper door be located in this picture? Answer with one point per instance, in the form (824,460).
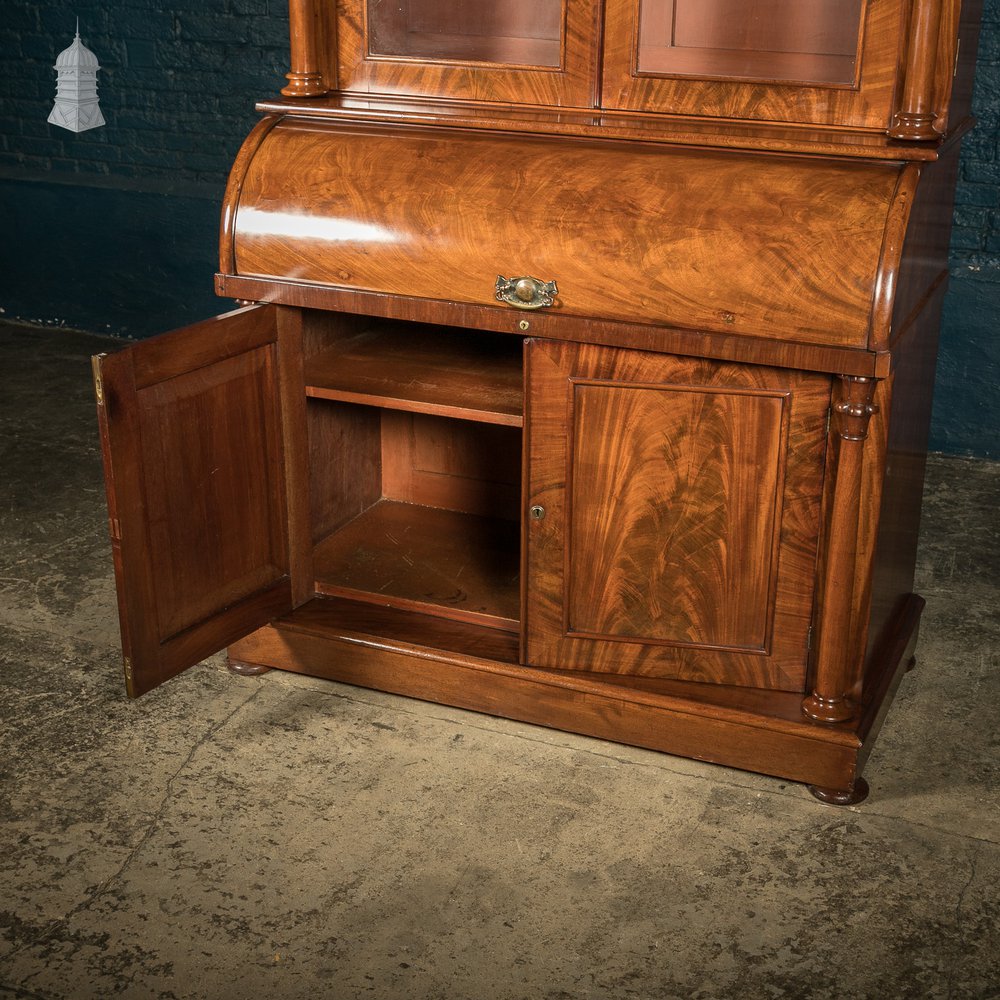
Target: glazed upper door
(521,51)
(674,515)
(203,433)
(831,62)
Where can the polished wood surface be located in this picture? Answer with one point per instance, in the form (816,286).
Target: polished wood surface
(483,65)
(502,32)
(866,105)
(799,41)
(681,505)
(659,227)
(887,65)
(553,326)
(345,463)
(439,562)
(338,645)
(696,531)
(891,264)
(924,259)
(837,658)
(956,64)
(234,188)
(204,464)
(858,792)
(876,473)
(411,631)
(635,126)
(456,465)
(919,109)
(917,312)
(424,370)
(308,36)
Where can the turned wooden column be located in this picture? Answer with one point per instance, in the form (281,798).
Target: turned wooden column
(835,658)
(306,29)
(917,113)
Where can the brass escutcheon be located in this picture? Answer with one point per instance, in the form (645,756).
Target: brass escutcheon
(526,292)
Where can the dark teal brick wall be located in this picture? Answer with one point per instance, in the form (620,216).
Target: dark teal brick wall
(977,200)
(177,86)
(115,229)
(967,394)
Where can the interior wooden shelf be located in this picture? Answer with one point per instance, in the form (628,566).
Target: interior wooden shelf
(338,617)
(438,562)
(464,374)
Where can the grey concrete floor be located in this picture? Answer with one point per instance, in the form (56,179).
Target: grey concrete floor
(291,838)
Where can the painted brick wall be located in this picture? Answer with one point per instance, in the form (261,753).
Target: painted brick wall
(966,417)
(976,236)
(116,228)
(177,85)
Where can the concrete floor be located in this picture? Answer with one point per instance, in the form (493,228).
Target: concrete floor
(290,838)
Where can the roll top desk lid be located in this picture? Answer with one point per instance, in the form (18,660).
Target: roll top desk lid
(795,248)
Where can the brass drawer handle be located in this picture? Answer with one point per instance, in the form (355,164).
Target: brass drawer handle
(526,293)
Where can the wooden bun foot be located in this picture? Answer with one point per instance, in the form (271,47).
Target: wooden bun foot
(911,664)
(247,669)
(836,797)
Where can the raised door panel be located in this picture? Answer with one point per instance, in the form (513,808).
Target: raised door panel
(681,513)
(517,51)
(203,433)
(831,62)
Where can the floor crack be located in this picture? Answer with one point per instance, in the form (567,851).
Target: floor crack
(792,789)
(960,923)
(94,894)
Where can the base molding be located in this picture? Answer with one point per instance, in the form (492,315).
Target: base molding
(764,732)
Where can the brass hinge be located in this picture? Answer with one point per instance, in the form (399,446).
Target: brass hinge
(958,52)
(829,417)
(809,640)
(95,366)
(128,670)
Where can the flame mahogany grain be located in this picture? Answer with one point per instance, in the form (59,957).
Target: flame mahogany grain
(655,224)
(682,506)
(677,508)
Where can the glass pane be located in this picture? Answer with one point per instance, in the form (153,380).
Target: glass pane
(512,32)
(785,41)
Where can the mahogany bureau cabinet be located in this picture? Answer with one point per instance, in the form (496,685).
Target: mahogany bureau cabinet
(583,375)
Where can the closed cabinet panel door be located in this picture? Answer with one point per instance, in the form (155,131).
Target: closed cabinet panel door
(675,515)
(518,51)
(830,62)
(205,474)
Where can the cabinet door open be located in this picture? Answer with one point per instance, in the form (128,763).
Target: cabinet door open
(675,510)
(203,435)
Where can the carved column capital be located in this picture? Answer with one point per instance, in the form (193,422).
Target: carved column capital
(855,408)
